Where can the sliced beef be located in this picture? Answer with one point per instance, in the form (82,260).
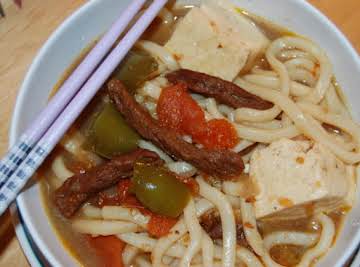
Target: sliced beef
(223,91)
(220,163)
(79,188)
(211,223)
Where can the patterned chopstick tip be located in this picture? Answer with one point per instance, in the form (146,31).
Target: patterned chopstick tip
(19,177)
(13,160)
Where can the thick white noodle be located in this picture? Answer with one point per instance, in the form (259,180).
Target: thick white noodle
(168,260)
(300,63)
(182,168)
(111,213)
(252,133)
(128,255)
(234,201)
(215,264)
(236,189)
(252,234)
(147,244)
(345,124)
(285,120)
(273,82)
(268,125)
(72,143)
(227,220)
(249,114)
(91,212)
(177,232)
(142,261)
(160,53)
(294,70)
(326,239)
(290,238)
(259,71)
(266,136)
(325,73)
(211,107)
(125,214)
(195,232)
(151,108)
(60,170)
(174,263)
(295,53)
(104,228)
(334,103)
(303,76)
(271,55)
(225,110)
(304,122)
(207,246)
(151,89)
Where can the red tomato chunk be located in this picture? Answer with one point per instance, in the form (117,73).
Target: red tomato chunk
(178,111)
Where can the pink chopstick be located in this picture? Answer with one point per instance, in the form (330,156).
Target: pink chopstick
(38,152)
(65,93)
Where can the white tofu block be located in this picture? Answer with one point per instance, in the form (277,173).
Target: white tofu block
(297,178)
(199,45)
(229,19)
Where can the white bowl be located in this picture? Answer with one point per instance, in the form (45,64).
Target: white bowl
(91,21)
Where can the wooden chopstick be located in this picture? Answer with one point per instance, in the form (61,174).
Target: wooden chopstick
(35,154)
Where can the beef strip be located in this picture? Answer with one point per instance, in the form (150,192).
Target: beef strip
(211,223)
(223,91)
(76,190)
(221,163)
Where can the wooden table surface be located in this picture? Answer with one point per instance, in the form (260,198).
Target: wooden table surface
(24,30)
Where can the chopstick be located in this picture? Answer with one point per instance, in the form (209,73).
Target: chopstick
(34,153)
(65,93)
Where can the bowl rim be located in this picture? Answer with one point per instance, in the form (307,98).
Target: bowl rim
(17,211)
(20,100)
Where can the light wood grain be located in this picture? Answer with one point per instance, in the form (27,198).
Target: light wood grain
(23,32)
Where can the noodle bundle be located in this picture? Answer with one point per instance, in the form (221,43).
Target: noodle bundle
(293,75)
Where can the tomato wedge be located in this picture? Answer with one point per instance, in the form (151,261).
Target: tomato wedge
(177,110)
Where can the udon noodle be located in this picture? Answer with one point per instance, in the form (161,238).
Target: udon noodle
(298,80)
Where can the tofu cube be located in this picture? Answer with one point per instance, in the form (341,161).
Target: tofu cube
(298,178)
(217,40)
(200,46)
(229,19)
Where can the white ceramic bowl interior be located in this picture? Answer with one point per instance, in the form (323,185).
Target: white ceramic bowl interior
(92,20)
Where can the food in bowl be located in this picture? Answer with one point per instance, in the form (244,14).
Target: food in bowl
(221,139)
